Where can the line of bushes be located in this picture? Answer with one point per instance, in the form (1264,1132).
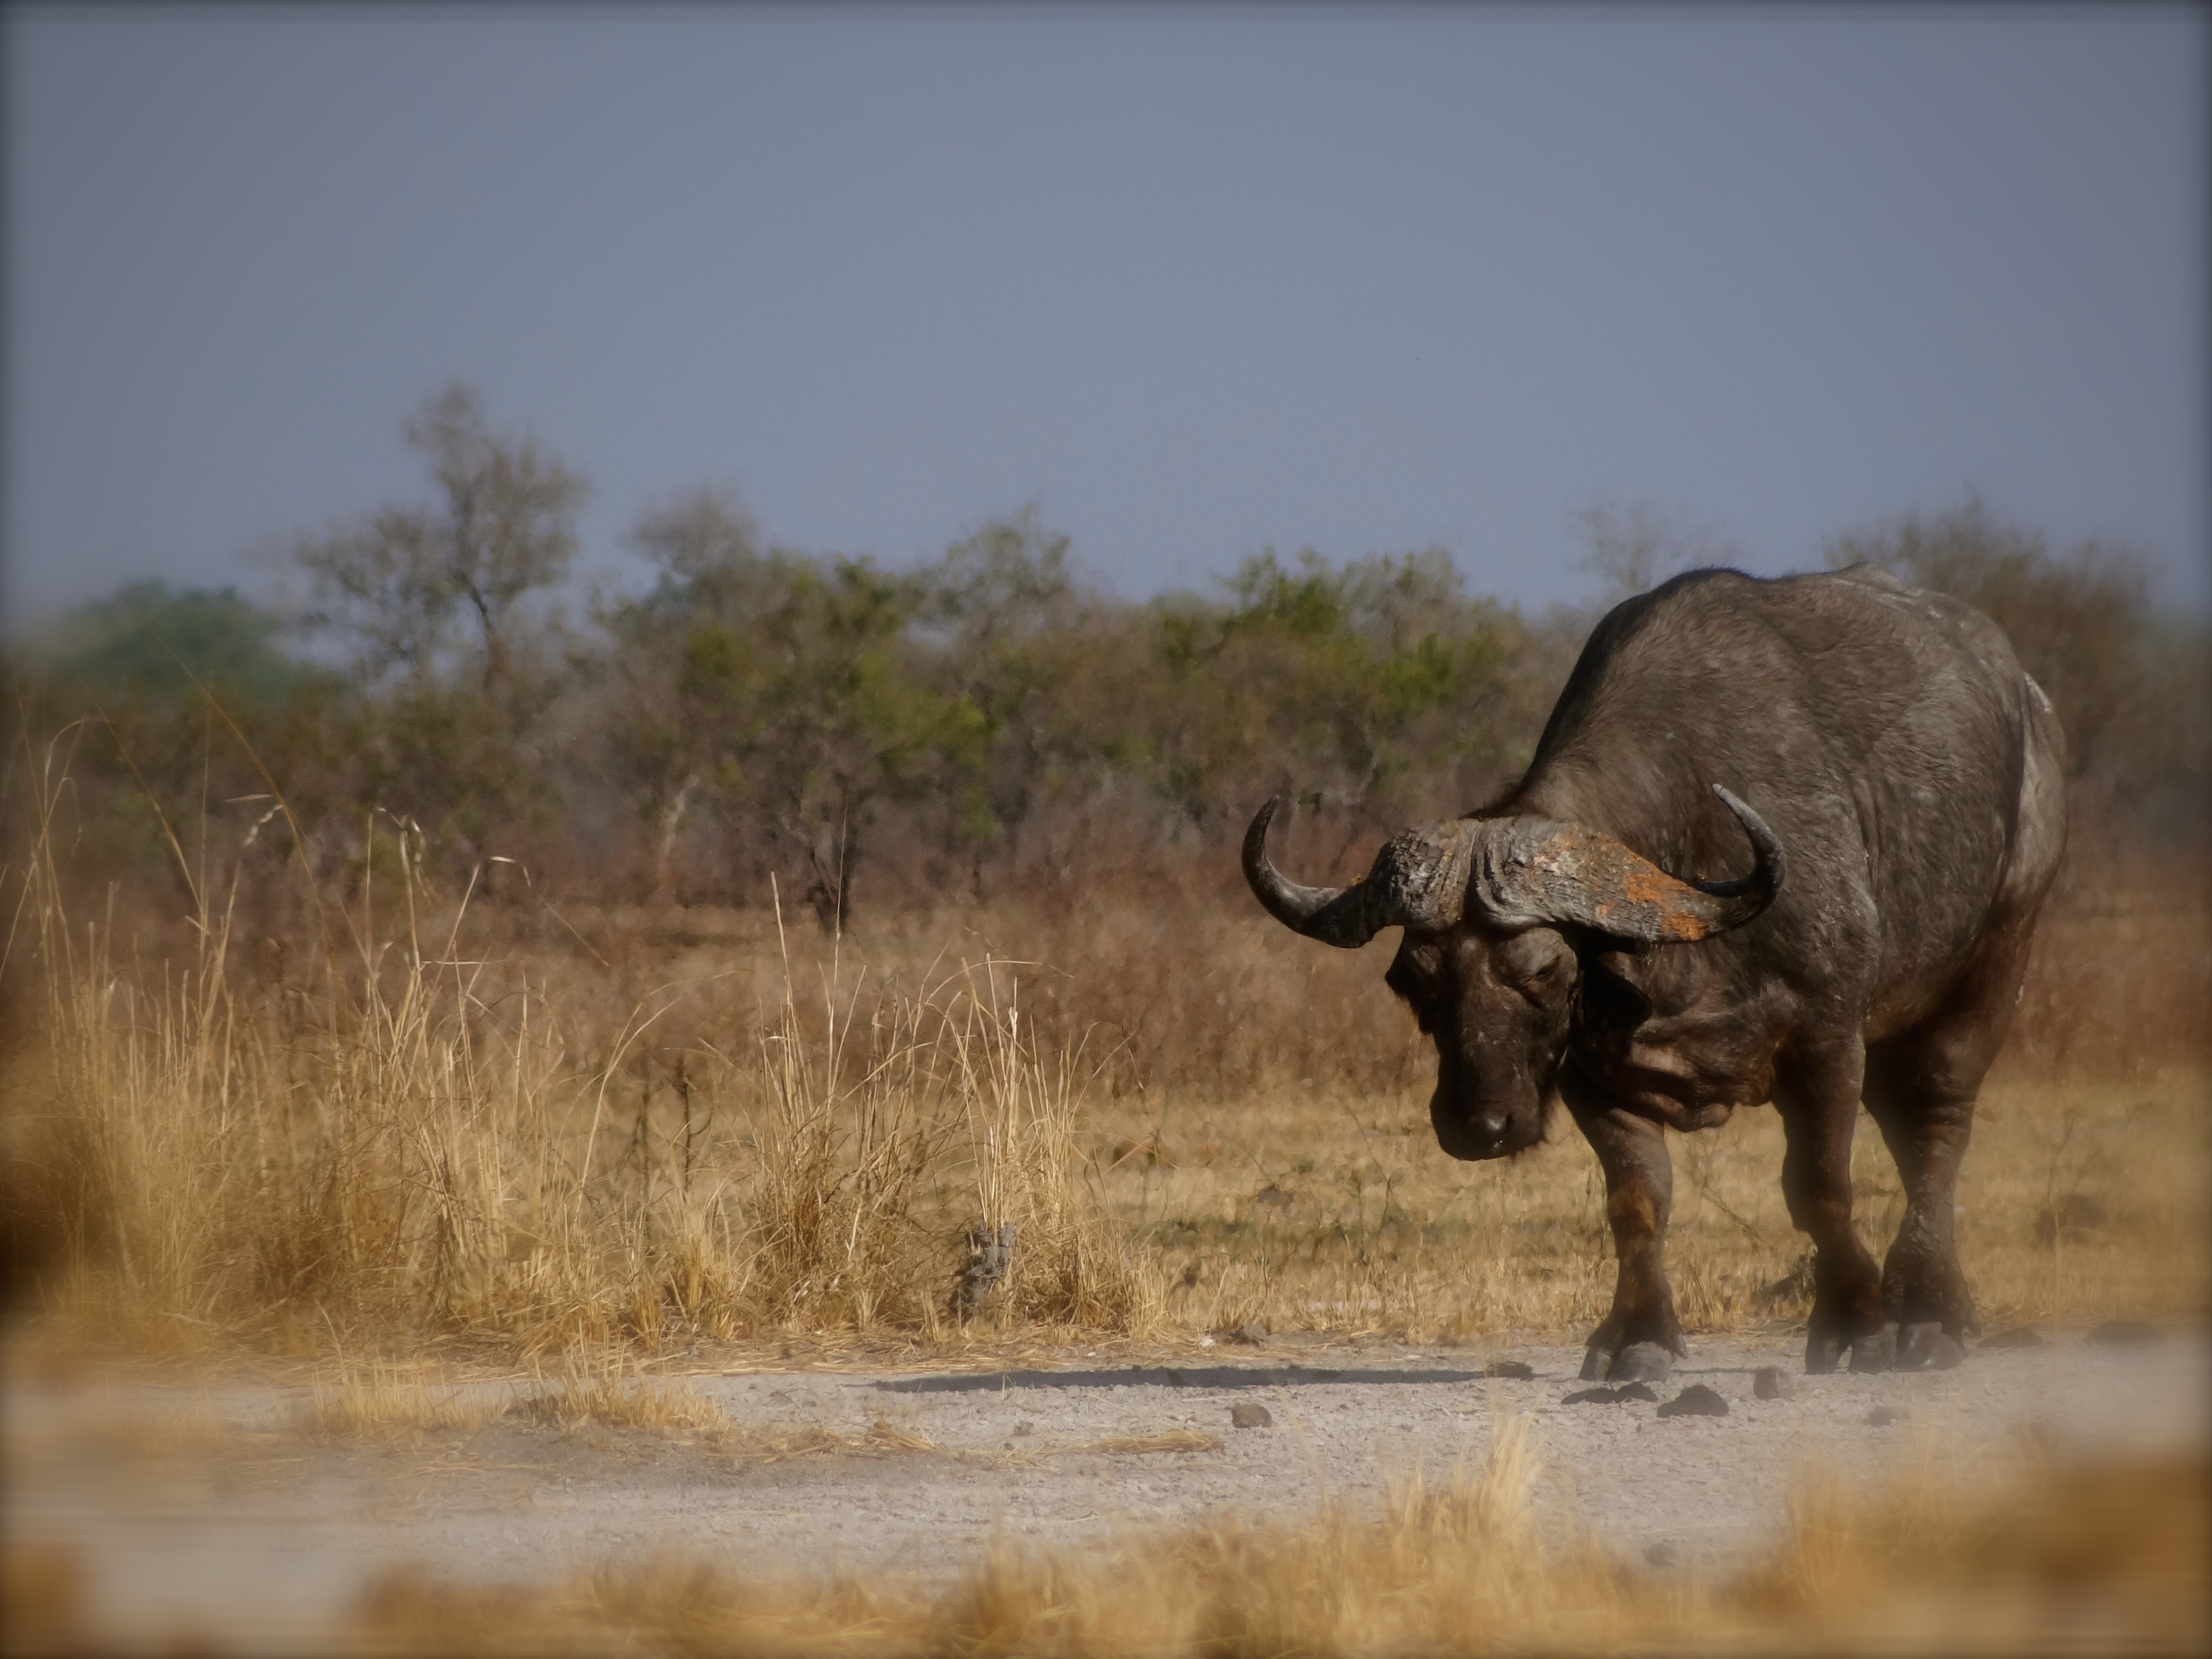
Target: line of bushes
(986,720)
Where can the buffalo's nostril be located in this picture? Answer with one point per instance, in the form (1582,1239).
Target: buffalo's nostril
(1467,1133)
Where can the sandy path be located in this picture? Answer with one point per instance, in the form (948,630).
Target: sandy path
(261,1541)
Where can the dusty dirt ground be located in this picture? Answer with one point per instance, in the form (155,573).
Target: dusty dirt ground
(203,1514)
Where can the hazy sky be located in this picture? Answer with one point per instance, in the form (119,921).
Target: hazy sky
(1190,282)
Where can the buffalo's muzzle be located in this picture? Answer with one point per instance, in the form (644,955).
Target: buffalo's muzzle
(1474,1136)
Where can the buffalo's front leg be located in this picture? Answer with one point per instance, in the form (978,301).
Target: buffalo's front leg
(1640,1339)
(1818,1100)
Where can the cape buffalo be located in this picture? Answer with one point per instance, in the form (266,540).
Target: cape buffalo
(1889,782)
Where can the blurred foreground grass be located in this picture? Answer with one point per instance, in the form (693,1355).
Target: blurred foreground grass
(2053,1558)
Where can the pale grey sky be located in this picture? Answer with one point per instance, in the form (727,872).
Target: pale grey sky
(1191,282)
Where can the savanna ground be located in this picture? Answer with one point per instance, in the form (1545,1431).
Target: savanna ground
(629,1270)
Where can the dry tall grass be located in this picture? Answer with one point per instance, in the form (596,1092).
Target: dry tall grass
(396,1136)
(406,1114)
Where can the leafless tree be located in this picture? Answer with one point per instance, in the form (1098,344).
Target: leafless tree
(401,581)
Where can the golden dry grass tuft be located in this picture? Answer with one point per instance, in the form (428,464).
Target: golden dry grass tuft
(613,1396)
(377,1398)
(1165,1440)
(774,1443)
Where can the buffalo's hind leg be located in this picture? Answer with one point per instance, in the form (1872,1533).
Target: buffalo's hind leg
(1640,1339)
(1817,1096)
(1923,1289)
(1921,1086)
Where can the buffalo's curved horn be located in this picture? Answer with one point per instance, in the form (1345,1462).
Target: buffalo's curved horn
(1417,880)
(1531,870)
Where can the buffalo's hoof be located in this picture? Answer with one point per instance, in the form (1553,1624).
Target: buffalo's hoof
(1926,1347)
(1822,1349)
(1641,1362)
(1876,1351)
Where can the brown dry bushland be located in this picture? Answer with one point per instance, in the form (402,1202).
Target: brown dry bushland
(987,725)
(810,948)
(551,1131)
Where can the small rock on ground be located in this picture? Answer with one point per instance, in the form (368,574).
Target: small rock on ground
(1696,1400)
(1772,1383)
(1515,1367)
(1883,1416)
(1251,1415)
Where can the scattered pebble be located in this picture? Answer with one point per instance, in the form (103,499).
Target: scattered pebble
(1696,1400)
(1515,1368)
(1772,1383)
(1251,1415)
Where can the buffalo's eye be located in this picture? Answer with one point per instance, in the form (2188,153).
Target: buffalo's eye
(1532,963)
(1414,976)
